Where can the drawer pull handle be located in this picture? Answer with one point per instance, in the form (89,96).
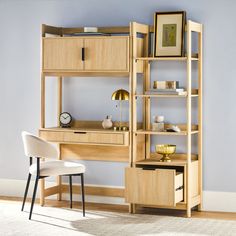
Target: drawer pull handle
(179,188)
(78,132)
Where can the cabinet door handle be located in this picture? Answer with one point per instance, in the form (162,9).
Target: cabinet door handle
(179,188)
(83,54)
(80,132)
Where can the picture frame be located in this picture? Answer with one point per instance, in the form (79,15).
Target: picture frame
(169,30)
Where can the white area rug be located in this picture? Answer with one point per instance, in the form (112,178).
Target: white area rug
(62,221)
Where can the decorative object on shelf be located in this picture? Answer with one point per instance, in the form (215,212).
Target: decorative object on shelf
(120,95)
(159,119)
(158,124)
(107,123)
(169,34)
(90,29)
(65,119)
(173,128)
(166,150)
(165,84)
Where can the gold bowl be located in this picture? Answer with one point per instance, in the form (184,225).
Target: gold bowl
(166,150)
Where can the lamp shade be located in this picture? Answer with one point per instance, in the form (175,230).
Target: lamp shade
(120,94)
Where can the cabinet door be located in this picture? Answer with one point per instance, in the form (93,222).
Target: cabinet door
(107,54)
(62,54)
(161,187)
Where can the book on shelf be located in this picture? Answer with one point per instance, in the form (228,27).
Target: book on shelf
(165,84)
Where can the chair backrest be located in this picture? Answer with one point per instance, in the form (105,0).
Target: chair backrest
(37,147)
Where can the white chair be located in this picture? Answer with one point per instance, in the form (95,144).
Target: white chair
(35,147)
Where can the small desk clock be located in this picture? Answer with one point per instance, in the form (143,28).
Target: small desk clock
(65,119)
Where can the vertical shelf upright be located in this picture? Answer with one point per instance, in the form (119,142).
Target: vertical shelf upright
(143,179)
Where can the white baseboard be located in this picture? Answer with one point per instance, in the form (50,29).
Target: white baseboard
(219,201)
(212,201)
(16,188)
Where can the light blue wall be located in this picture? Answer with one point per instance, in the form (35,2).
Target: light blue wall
(20,22)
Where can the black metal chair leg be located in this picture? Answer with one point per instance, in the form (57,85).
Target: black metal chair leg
(70,180)
(82,192)
(26,191)
(34,195)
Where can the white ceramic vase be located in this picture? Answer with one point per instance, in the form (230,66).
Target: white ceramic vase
(107,123)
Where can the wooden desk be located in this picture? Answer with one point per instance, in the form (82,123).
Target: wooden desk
(86,140)
(89,143)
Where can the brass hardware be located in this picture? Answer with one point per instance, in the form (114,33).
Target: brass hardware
(122,128)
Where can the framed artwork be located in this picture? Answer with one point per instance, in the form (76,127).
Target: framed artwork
(169,34)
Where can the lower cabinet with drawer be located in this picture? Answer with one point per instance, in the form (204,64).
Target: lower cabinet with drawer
(161,187)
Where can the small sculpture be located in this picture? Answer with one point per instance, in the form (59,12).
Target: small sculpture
(107,123)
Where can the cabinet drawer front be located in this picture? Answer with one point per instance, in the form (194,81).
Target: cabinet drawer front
(95,138)
(62,54)
(107,54)
(153,187)
(51,136)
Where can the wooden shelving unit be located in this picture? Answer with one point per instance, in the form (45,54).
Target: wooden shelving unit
(140,185)
(148,182)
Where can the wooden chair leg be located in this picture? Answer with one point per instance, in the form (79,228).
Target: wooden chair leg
(26,191)
(70,180)
(34,195)
(82,192)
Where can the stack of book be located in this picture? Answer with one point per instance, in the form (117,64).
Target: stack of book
(166,88)
(178,91)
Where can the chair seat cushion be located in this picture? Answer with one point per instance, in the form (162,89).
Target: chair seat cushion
(54,168)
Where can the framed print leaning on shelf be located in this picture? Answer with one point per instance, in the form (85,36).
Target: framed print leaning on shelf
(169,34)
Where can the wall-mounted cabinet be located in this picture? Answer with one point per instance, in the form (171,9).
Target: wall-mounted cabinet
(86,54)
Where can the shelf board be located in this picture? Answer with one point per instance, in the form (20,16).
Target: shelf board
(164,95)
(194,93)
(177,159)
(156,162)
(181,133)
(165,58)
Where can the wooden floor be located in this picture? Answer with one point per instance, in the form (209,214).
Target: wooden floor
(124,209)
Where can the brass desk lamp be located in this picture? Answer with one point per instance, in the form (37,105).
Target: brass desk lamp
(120,95)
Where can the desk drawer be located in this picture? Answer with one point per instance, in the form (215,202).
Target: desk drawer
(163,187)
(95,138)
(100,138)
(51,136)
